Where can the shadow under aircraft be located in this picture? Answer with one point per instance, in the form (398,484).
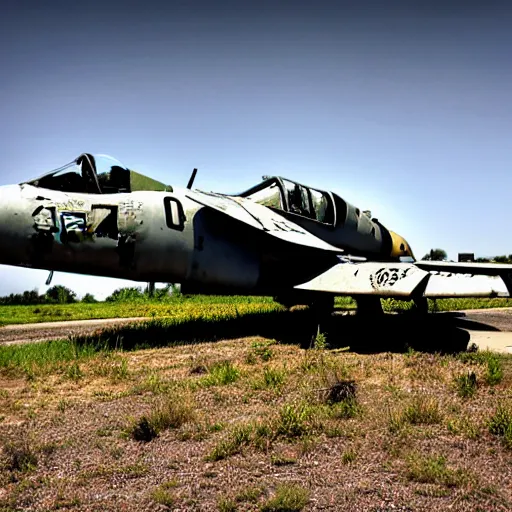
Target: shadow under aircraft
(434,333)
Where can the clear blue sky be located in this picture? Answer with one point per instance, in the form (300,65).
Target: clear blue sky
(403,108)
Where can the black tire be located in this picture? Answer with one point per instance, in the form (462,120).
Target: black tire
(369,305)
(420,306)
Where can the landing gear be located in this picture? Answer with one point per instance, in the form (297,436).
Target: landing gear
(285,300)
(369,305)
(420,306)
(322,306)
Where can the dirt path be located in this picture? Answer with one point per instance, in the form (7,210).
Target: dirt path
(499,318)
(26,333)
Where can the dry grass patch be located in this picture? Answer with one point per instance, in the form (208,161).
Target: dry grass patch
(19,456)
(314,415)
(221,374)
(272,378)
(164,495)
(500,424)
(170,412)
(433,469)
(466,384)
(422,410)
(287,498)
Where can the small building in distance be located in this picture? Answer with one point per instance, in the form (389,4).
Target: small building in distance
(466,256)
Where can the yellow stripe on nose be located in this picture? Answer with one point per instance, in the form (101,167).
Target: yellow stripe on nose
(399,246)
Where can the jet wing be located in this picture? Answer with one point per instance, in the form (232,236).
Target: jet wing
(260,217)
(497,270)
(403,281)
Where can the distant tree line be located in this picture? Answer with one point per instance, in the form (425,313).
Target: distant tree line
(59,294)
(496,259)
(440,255)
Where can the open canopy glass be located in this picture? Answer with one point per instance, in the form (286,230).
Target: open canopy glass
(96,174)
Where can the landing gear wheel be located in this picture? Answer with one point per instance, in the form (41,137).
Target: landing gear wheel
(285,301)
(322,306)
(368,305)
(420,306)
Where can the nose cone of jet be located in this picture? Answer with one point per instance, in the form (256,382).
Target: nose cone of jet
(15,225)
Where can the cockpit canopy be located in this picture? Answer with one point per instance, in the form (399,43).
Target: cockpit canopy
(97,174)
(289,196)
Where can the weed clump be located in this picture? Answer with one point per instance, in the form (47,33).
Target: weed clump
(494,373)
(272,378)
(434,470)
(466,385)
(492,362)
(465,426)
(20,456)
(292,420)
(239,437)
(500,424)
(169,414)
(288,498)
(348,456)
(226,505)
(260,350)
(423,411)
(249,495)
(221,374)
(163,496)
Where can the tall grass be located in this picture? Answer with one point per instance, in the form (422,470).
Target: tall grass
(141,305)
(46,354)
(138,307)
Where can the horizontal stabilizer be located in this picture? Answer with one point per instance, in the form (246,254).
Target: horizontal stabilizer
(500,270)
(488,269)
(404,281)
(260,217)
(461,285)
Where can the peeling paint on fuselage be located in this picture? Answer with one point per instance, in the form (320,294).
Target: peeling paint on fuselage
(129,238)
(180,236)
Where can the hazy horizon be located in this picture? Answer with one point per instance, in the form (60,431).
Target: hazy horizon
(401,109)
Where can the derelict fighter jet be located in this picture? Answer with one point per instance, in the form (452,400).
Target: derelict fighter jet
(279,238)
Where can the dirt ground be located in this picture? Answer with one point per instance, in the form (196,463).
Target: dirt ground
(238,419)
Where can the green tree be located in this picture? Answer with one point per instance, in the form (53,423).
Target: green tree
(132,294)
(88,299)
(503,259)
(59,294)
(436,255)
